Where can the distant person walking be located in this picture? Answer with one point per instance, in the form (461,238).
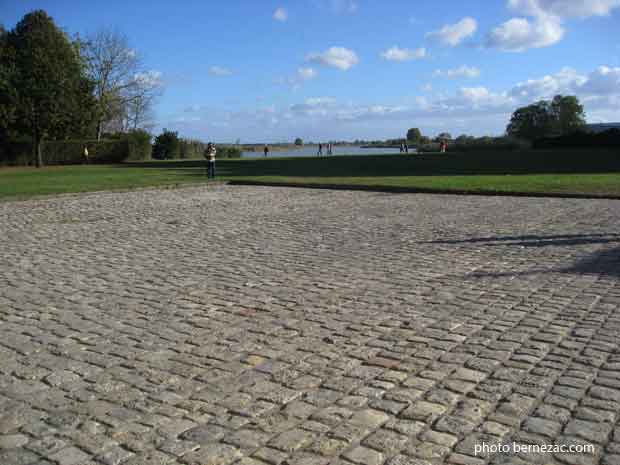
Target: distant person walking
(402,147)
(443,146)
(329,148)
(406,147)
(210,156)
(85,155)
(320,152)
(266,150)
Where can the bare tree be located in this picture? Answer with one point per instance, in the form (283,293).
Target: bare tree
(124,92)
(139,108)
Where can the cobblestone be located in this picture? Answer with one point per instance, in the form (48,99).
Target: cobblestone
(251,326)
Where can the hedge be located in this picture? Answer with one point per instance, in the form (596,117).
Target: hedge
(605,139)
(131,147)
(72,152)
(501,144)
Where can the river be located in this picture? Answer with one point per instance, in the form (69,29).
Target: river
(311,150)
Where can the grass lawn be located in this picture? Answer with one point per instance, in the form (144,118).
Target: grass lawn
(555,172)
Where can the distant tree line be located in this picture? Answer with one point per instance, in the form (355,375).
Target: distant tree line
(169,146)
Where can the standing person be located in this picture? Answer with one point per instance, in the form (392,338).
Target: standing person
(402,147)
(406,147)
(266,150)
(85,154)
(320,152)
(210,156)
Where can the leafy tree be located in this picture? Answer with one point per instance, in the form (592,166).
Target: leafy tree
(561,116)
(53,97)
(568,114)
(531,122)
(414,135)
(8,96)
(167,145)
(444,136)
(299,141)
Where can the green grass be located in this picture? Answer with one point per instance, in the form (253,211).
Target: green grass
(555,172)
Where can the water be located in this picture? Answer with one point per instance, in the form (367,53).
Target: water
(311,150)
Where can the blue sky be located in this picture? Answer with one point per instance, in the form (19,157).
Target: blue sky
(268,71)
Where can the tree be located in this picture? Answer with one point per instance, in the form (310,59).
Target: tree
(8,95)
(568,114)
(563,115)
(299,141)
(414,135)
(444,136)
(167,145)
(53,96)
(531,122)
(125,94)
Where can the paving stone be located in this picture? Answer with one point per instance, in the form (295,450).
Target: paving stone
(212,454)
(364,456)
(70,456)
(13,441)
(292,440)
(114,456)
(595,432)
(386,441)
(352,319)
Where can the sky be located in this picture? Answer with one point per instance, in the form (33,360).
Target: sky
(271,71)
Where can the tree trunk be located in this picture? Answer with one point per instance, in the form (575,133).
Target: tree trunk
(99,126)
(40,153)
(36,149)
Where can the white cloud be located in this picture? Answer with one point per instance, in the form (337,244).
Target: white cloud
(477,97)
(280,14)
(316,101)
(604,80)
(520,34)
(564,8)
(306,74)
(219,71)
(344,6)
(337,57)
(544,27)
(403,54)
(454,34)
(302,75)
(149,78)
(565,81)
(461,71)
(427,87)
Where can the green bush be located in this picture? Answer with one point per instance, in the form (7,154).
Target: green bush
(138,145)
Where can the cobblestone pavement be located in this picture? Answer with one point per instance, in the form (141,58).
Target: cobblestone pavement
(254,325)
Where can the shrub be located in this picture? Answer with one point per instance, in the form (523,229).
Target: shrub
(138,145)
